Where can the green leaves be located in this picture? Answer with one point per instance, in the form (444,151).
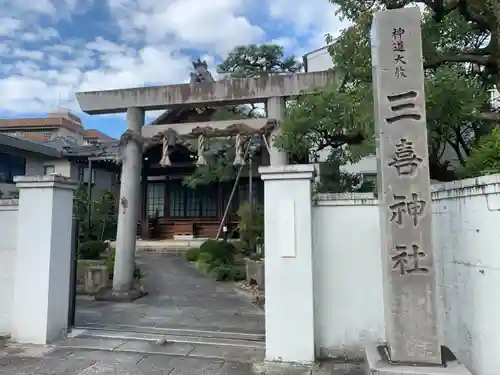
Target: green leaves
(242,62)
(254,60)
(485,157)
(219,169)
(331,118)
(459,63)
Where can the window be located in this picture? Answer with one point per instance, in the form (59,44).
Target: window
(176,198)
(48,169)
(208,201)
(83,174)
(241,194)
(184,202)
(156,199)
(11,166)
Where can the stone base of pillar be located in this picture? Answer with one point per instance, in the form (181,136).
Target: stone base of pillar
(128,296)
(376,364)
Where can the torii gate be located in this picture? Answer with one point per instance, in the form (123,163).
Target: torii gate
(272,90)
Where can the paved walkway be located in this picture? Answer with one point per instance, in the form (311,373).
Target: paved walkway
(45,361)
(26,360)
(179,297)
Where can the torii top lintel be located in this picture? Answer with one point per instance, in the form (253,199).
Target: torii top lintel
(225,92)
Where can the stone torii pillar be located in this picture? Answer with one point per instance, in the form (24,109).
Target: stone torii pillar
(128,209)
(275,108)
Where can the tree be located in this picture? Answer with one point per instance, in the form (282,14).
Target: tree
(454,32)
(242,62)
(484,157)
(458,109)
(257,60)
(253,61)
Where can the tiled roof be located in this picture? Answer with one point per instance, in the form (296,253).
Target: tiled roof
(94,133)
(29,146)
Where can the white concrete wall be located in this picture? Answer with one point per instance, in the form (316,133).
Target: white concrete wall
(8,232)
(467,241)
(348,280)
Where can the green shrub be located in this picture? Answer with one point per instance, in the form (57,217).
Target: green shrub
(110,263)
(240,247)
(225,272)
(192,254)
(238,273)
(204,263)
(221,252)
(251,226)
(91,249)
(221,272)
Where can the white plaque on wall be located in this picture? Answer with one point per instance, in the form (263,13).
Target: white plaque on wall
(286,226)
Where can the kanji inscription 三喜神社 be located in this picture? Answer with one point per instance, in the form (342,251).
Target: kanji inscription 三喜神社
(405,160)
(415,208)
(398,48)
(406,259)
(403,107)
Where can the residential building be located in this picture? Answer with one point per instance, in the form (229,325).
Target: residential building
(61,132)
(317,60)
(20,157)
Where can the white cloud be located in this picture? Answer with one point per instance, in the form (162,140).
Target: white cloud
(42,67)
(311,19)
(8,26)
(217,25)
(56,9)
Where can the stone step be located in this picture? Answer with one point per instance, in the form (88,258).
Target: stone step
(173,336)
(172,331)
(149,344)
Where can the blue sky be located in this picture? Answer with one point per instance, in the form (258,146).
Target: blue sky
(50,49)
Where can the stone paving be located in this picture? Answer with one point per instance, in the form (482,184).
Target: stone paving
(28,360)
(179,297)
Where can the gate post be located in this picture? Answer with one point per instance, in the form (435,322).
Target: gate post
(42,266)
(75,234)
(289,304)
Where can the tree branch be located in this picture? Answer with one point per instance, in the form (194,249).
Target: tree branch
(461,142)
(477,18)
(464,58)
(489,116)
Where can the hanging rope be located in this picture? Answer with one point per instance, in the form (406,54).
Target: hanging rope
(238,156)
(165,159)
(201,148)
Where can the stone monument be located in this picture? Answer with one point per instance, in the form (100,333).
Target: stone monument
(410,298)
